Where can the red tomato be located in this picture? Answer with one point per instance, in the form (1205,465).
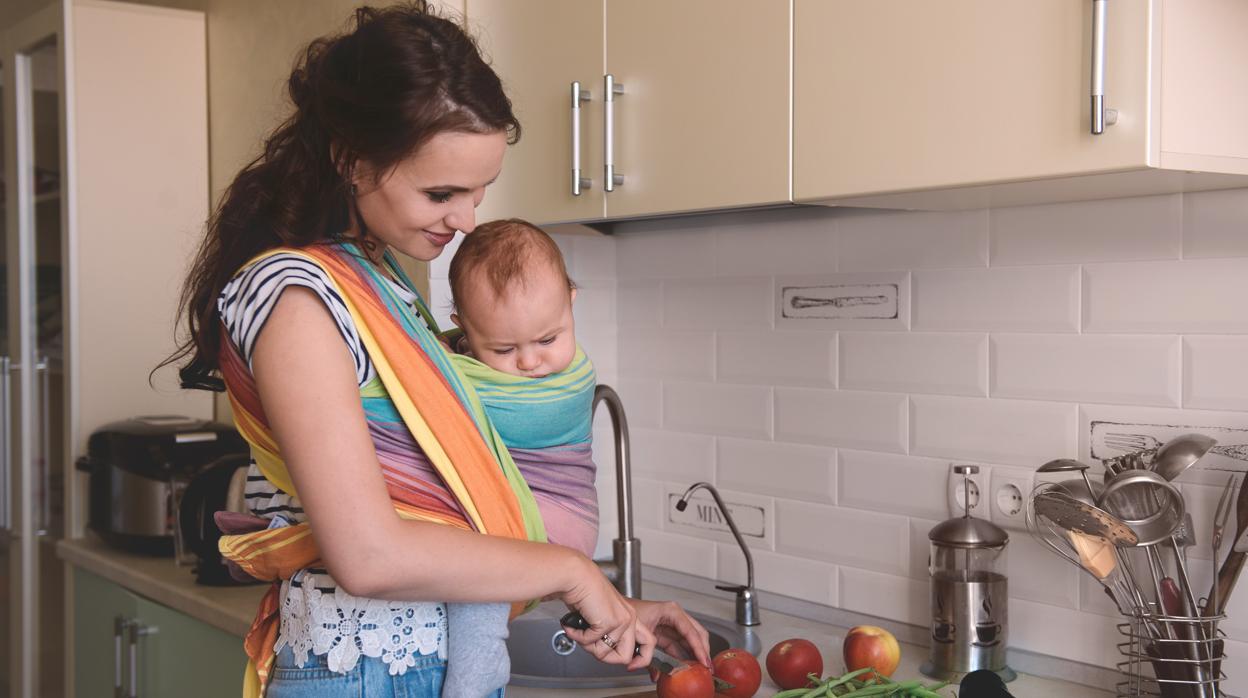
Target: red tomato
(790,661)
(739,668)
(692,680)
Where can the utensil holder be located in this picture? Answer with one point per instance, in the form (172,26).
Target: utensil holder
(1172,657)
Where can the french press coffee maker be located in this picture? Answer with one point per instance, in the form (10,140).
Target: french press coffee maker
(969,594)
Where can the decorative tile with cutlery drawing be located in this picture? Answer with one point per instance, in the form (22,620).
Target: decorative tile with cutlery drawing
(1112,439)
(845,301)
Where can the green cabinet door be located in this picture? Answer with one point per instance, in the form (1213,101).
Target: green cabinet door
(98,650)
(176,655)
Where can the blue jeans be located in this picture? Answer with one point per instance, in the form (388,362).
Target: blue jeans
(369,679)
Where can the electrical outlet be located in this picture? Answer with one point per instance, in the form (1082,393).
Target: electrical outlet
(1008,490)
(956,494)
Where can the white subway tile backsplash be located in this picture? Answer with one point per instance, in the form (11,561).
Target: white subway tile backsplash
(1064,632)
(863,539)
(1215,224)
(652,250)
(790,471)
(674,551)
(1015,299)
(1087,231)
(920,362)
(1036,574)
(728,410)
(723,305)
(648,505)
(643,400)
(1215,372)
(887,596)
(776,358)
(668,354)
(594,255)
(1191,296)
(639,304)
(594,304)
(1128,369)
(795,577)
(876,301)
(878,240)
(872,421)
(788,241)
(916,486)
(672,456)
(1010,432)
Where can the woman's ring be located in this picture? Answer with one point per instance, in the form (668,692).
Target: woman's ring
(608,641)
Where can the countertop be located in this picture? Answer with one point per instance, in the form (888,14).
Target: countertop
(228,608)
(232,608)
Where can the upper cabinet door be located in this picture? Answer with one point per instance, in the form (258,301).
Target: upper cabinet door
(703,121)
(912,94)
(539,48)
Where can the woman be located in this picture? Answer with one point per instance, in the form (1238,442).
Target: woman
(375,473)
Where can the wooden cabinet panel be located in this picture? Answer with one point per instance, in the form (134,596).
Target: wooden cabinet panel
(538,48)
(704,119)
(909,94)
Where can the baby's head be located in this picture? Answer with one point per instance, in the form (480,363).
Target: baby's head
(513,299)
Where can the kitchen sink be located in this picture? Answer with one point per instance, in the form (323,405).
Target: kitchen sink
(543,656)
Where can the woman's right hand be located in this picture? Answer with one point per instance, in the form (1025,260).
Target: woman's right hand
(614,630)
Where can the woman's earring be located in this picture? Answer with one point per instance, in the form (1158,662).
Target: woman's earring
(355,190)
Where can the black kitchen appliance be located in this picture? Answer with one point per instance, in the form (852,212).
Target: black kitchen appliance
(138,470)
(219,487)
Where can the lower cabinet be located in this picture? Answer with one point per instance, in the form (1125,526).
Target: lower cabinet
(122,639)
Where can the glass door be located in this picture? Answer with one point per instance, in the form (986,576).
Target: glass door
(33,376)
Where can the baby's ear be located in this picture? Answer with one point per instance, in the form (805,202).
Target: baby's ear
(455,319)
(572,295)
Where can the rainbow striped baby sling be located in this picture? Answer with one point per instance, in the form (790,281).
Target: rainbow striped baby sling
(441,457)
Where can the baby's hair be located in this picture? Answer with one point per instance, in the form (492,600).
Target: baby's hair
(501,252)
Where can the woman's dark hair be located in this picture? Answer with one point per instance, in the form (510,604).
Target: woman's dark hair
(400,76)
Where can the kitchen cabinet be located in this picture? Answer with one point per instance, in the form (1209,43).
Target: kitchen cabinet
(701,120)
(123,639)
(105,192)
(987,102)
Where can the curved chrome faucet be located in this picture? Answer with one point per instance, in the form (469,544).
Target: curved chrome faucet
(624,570)
(747,599)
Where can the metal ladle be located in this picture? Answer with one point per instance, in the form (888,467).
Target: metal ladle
(1180,453)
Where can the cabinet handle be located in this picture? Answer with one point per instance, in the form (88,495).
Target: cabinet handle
(43,370)
(134,631)
(119,629)
(6,459)
(1100,117)
(611,89)
(578,96)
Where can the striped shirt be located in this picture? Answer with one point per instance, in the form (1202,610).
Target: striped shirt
(245,305)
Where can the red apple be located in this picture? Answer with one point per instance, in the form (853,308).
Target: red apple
(868,646)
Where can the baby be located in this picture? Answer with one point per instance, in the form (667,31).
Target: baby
(516,345)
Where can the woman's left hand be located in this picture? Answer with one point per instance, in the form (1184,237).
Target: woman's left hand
(674,630)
